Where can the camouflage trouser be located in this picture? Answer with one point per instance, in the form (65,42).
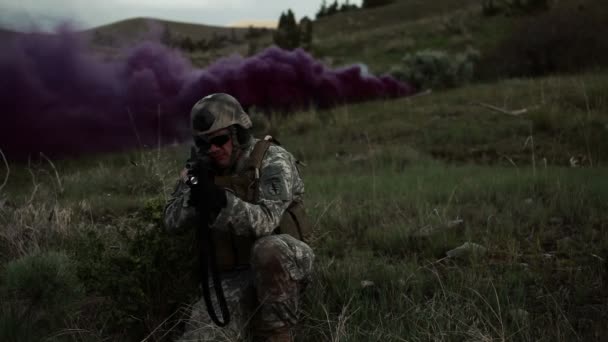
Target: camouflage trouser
(261,299)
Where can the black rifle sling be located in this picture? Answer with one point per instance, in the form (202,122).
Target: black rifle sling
(208,260)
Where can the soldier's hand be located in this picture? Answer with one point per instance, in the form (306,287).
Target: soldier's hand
(205,195)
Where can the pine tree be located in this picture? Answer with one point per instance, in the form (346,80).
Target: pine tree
(333,8)
(323,10)
(293,33)
(287,35)
(280,35)
(375,3)
(306,33)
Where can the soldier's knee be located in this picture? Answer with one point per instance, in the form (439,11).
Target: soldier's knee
(268,252)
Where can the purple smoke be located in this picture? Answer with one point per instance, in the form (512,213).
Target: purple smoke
(60,98)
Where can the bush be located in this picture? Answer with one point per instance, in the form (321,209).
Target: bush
(37,291)
(334,8)
(513,7)
(143,279)
(569,38)
(375,3)
(436,69)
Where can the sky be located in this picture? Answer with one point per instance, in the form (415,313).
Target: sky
(47,14)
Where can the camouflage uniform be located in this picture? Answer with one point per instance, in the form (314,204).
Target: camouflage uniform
(263,297)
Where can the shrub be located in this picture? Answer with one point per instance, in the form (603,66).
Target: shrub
(513,7)
(37,291)
(436,69)
(143,279)
(375,3)
(334,8)
(569,38)
(490,7)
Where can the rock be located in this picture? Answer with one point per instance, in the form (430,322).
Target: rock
(519,315)
(467,249)
(455,223)
(367,283)
(565,244)
(427,231)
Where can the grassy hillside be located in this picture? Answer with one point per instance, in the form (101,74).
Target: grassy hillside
(133,28)
(229,40)
(470,214)
(392,186)
(380,37)
(346,38)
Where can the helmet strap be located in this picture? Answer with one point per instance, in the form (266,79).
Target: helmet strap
(236,146)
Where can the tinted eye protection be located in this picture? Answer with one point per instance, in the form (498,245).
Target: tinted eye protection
(205,144)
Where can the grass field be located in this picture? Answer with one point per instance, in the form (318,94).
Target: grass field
(513,172)
(392,186)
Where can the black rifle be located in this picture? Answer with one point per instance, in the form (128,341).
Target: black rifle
(199,167)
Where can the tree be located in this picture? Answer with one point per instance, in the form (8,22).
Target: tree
(287,35)
(323,10)
(187,44)
(332,9)
(347,6)
(375,3)
(165,37)
(202,44)
(233,36)
(306,33)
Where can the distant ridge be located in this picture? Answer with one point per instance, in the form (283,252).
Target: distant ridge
(136,27)
(133,29)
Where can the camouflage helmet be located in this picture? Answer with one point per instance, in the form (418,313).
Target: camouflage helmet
(217,111)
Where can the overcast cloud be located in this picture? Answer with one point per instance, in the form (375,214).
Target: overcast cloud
(45,14)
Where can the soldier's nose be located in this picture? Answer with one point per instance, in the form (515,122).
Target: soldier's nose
(213,149)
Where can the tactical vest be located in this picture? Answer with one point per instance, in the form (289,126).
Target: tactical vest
(234,251)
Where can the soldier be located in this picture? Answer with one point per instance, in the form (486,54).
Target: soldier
(256,221)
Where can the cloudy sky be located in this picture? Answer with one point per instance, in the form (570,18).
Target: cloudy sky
(45,14)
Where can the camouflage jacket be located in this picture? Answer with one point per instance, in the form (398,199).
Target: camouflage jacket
(280,184)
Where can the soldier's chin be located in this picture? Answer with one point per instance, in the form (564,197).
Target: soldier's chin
(222,162)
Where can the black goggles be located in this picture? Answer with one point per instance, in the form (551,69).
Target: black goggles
(204,143)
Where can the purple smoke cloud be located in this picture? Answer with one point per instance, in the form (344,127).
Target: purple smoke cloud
(60,98)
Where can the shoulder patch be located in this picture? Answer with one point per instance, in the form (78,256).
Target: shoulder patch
(274,183)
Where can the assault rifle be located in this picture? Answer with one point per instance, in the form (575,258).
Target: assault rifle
(198,168)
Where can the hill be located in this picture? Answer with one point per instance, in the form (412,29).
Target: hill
(208,43)
(468,214)
(392,186)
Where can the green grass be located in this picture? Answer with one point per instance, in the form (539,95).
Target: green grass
(566,119)
(405,27)
(545,234)
(391,187)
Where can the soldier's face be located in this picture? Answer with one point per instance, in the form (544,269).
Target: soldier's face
(220,149)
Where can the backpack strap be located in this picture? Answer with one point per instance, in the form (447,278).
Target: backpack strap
(294,220)
(254,163)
